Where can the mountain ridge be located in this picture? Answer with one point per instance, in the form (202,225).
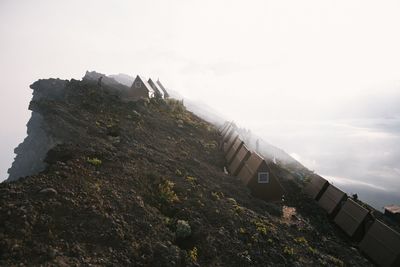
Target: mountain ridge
(142,183)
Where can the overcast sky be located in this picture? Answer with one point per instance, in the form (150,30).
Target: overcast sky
(253,61)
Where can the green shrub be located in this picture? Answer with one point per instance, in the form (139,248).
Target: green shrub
(288,251)
(312,250)
(301,240)
(232,200)
(242,230)
(191,179)
(167,193)
(94,161)
(261,227)
(335,261)
(193,254)
(176,106)
(178,173)
(217,195)
(182,229)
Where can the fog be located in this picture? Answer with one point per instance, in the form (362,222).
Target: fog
(320,79)
(359,156)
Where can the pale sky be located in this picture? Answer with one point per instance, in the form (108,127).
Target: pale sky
(253,61)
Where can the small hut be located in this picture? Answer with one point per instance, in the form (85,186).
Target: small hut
(166,95)
(257,175)
(352,219)
(158,92)
(332,199)
(140,89)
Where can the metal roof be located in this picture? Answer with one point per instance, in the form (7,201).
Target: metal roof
(316,187)
(238,161)
(331,199)
(228,145)
(382,244)
(166,95)
(224,132)
(228,134)
(233,151)
(351,217)
(221,129)
(156,88)
(250,167)
(145,83)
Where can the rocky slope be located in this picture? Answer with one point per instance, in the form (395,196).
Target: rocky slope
(142,184)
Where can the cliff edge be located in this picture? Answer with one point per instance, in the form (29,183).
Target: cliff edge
(107,182)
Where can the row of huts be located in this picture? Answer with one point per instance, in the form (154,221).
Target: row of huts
(142,88)
(250,167)
(376,240)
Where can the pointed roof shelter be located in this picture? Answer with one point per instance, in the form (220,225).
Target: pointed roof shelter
(238,161)
(228,135)
(228,145)
(332,199)
(166,95)
(257,176)
(231,154)
(158,92)
(316,187)
(226,130)
(382,244)
(223,126)
(352,219)
(140,89)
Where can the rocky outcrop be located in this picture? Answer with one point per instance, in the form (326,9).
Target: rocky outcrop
(30,154)
(51,124)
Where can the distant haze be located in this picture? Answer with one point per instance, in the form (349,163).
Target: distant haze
(319,79)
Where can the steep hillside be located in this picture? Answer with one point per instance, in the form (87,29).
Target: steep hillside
(142,184)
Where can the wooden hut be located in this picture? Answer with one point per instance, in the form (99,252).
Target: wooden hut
(158,93)
(161,86)
(140,89)
(352,218)
(238,161)
(382,245)
(332,199)
(316,187)
(231,154)
(257,175)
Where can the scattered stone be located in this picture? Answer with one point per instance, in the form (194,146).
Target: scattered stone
(49,191)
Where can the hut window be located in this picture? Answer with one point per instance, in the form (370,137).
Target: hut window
(137,84)
(263,177)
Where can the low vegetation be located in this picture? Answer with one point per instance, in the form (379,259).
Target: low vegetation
(151,193)
(166,190)
(94,161)
(183,229)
